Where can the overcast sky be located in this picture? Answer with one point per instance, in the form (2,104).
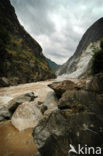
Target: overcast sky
(58,25)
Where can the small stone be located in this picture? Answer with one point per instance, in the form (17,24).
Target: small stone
(39,103)
(4,114)
(43,108)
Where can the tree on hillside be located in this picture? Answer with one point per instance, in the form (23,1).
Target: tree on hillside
(97,60)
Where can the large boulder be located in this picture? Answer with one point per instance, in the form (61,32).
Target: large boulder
(54,134)
(96,83)
(78,120)
(82,99)
(14,103)
(27,115)
(7,111)
(61,87)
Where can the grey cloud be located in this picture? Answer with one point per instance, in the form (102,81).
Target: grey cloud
(34,14)
(58,24)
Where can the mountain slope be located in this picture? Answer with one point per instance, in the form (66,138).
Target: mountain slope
(79,62)
(52,65)
(21,58)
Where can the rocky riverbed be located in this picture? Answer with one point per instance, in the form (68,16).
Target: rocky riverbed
(15,142)
(46,116)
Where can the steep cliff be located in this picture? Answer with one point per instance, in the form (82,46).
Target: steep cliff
(21,57)
(79,62)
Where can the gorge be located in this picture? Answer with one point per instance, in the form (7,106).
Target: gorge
(41,115)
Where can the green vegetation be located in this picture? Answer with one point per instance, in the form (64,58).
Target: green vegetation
(97,60)
(21,56)
(4,37)
(52,65)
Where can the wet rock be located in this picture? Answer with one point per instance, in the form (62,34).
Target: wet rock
(4,114)
(31,95)
(79,119)
(51,100)
(54,134)
(27,115)
(4,82)
(43,108)
(82,100)
(39,103)
(96,83)
(14,103)
(61,87)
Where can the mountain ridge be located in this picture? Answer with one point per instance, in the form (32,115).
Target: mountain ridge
(21,57)
(93,34)
(54,66)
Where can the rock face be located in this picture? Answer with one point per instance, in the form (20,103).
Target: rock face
(4,114)
(51,100)
(7,111)
(61,87)
(29,113)
(55,134)
(14,103)
(21,57)
(80,61)
(26,116)
(78,120)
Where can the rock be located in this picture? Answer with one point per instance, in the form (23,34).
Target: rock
(61,87)
(82,100)
(14,103)
(51,100)
(43,109)
(4,82)
(80,62)
(79,119)
(39,103)
(4,113)
(31,95)
(26,116)
(54,134)
(96,83)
